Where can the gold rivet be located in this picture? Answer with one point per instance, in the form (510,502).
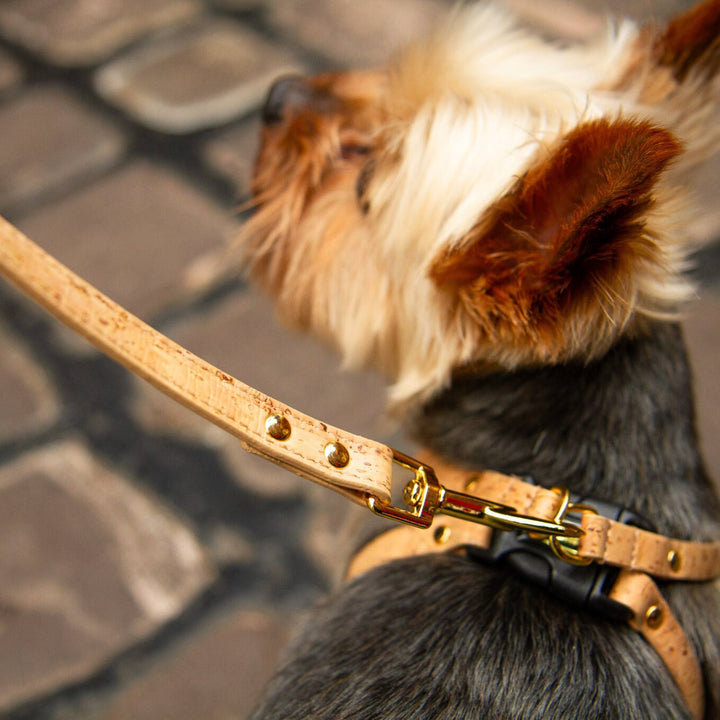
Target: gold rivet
(654,617)
(278,427)
(442,534)
(412,493)
(337,455)
(674,559)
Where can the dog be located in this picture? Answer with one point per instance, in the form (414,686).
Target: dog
(498,224)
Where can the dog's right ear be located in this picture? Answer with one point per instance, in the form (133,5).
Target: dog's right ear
(556,265)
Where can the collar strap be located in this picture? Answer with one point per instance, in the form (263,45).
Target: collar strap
(362,469)
(618,559)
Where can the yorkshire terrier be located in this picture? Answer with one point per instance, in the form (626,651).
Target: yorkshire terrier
(498,223)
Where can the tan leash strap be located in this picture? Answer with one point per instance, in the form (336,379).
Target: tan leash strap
(358,468)
(310,447)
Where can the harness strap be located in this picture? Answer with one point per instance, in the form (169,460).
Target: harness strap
(604,540)
(649,613)
(654,620)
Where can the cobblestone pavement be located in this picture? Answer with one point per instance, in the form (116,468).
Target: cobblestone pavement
(148,566)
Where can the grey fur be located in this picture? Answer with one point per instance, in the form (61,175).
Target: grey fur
(446,637)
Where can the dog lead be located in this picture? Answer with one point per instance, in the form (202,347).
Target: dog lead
(362,469)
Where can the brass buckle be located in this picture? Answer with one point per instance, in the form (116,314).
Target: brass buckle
(564,547)
(424,497)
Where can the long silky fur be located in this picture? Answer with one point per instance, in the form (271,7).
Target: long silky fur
(444,637)
(462,140)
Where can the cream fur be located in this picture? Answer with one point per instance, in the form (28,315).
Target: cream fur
(463,115)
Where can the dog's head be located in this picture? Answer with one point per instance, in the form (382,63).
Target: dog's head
(489,198)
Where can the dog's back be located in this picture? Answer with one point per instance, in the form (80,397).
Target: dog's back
(524,302)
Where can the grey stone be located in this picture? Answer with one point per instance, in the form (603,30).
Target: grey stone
(202,77)
(29,402)
(10,72)
(218,675)
(50,140)
(702,332)
(89,565)
(232,152)
(241,337)
(132,234)
(238,4)
(72,32)
(566,19)
(355,33)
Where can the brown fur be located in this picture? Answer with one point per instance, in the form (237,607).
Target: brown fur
(691,42)
(499,225)
(364,211)
(566,241)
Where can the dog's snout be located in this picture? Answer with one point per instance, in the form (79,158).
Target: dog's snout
(286,93)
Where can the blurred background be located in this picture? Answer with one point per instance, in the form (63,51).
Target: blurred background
(149,568)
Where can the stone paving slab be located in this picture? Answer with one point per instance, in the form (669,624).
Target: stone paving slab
(70,32)
(29,402)
(11,72)
(355,33)
(217,675)
(238,4)
(132,233)
(88,566)
(702,333)
(199,78)
(49,140)
(231,153)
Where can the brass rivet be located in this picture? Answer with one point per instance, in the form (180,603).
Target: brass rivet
(278,427)
(674,559)
(337,455)
(654,617)
(442,534)
(412,493)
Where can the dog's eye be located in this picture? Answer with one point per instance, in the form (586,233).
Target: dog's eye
(361,186)
(351,151)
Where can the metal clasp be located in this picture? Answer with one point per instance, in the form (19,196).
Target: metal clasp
(424,497)
(564,547)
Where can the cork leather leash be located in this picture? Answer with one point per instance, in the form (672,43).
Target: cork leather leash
(362,469)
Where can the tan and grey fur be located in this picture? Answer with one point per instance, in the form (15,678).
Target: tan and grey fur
(498,224)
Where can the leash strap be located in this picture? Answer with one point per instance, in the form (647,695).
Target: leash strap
(352,465)
(361,469)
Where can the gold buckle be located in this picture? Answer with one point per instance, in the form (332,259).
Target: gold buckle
(424,497)
(564,547)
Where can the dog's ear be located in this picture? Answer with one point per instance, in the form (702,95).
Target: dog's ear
(567,239)
(691,42)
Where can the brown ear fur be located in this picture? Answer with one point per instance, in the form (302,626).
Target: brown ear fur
(692,41)
(568,236)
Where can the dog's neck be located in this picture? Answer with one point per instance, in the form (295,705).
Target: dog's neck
(621,428)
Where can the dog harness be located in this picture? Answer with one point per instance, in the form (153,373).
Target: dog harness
(546,534)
